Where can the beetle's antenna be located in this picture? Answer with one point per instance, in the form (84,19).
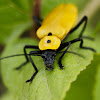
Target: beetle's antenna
(13,56)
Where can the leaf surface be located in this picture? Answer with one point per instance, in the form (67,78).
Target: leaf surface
(97,85)
(83,87)
(51,85)
(14,19)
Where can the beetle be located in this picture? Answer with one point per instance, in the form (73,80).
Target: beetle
(52,32)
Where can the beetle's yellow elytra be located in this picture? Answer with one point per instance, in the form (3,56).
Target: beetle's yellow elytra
(49,42)
(59,22)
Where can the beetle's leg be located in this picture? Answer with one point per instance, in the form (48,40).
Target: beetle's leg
(26,56)
(36,70)
(84,19)
(37,20)
(63,45)
(59,61)
(81,46)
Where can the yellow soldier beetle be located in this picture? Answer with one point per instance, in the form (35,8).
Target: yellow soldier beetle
(53,30)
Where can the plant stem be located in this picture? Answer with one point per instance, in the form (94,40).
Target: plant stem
(37,8)
(90,8)
(36,12)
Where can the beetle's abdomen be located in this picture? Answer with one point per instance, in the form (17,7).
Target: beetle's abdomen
(59,22)
(49,42)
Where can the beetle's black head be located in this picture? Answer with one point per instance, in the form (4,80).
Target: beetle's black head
(49,58)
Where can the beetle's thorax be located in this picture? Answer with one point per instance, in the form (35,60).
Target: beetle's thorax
(49,42)
(49,58)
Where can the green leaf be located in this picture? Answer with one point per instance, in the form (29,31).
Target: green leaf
(7,96)
(48,5)
(97,39)
(24,5)
(97,85)
(47,85)
(14,19)
(83,87)
(95,27)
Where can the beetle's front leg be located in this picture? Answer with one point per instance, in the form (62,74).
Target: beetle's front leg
(36,70)
(27,60)
(59,61)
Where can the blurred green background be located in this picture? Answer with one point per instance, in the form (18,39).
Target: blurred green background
(16,22)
